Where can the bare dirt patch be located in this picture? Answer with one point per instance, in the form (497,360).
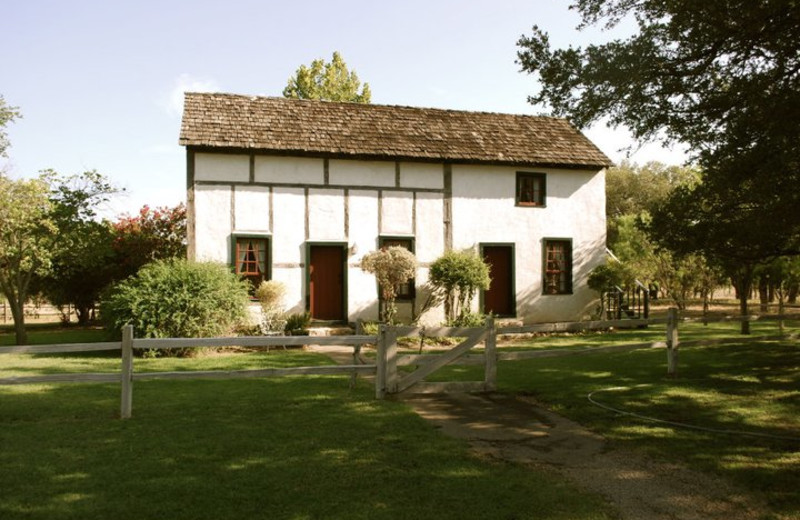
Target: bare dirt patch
(518,430)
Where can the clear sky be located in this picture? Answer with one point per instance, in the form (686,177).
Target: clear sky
(100,83)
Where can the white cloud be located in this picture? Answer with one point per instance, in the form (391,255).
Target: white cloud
(173,101)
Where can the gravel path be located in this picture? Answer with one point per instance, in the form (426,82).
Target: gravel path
(516,429)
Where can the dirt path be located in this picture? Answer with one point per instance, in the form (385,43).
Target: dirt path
(516,429)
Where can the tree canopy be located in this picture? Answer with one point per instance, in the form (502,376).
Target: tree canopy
(327,81)
(7,115)
(727,85)
(82,258)
(27,233)
(693,70)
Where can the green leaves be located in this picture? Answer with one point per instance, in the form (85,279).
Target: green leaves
(459,275)
(27,235)
(392,266)
(328,82)
(177,298)
(7,115)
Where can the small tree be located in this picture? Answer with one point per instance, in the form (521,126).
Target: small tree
(82,259)
(392,267)
(27,233)
(327,81)
(177,298)
(153,234)
(458,275)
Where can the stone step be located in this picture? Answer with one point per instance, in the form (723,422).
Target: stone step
(330,331)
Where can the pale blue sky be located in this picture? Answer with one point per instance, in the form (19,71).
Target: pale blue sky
(99,83)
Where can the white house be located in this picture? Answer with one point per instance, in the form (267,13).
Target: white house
(299,191)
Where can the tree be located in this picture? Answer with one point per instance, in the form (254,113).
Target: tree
(728,86)
(7,115)
(392,267)
(327,81)
(153,234)
(27,233)
(691,71)
(459,275)
(82,257)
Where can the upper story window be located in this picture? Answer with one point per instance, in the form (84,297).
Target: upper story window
(251,259)
(531,189)
(557,266)
(405,291)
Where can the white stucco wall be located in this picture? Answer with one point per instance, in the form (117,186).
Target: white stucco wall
(251,208)
(326,209)
(289,170)
(363,230)
(483,211)
(422,175)
(221,167)
(212,223)
(361,173)
(397,213)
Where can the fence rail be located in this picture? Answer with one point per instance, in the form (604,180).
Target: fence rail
(387,379)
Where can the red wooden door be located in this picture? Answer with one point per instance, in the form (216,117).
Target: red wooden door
(326,282)
(499,299)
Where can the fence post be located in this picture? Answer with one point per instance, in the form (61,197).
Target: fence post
(380,364)
(391,359)
(356,361)
(490,351)
(127,372)
(672,341)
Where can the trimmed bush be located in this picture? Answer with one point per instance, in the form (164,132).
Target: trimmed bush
(458,275)
(392,267)
(177,298)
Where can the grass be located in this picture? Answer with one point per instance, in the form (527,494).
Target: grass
(749,387)
(288,448)
(311,448)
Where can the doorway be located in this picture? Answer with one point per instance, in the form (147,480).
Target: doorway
(326,281)
(499,298)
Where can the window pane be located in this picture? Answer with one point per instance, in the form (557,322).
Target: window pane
(530,189)
(251,259)
(558,267)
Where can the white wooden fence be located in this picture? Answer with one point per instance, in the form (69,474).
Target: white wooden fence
(388,380)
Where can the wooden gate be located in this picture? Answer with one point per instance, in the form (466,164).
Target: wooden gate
(390,381)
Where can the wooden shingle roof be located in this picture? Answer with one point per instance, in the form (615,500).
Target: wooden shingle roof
(352,130)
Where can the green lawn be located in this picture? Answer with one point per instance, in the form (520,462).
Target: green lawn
(747,387)
(311,448)
(293,448)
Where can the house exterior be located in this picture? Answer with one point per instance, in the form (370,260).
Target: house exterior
(298,191)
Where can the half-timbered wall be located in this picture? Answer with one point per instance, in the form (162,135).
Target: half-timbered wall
(295,201)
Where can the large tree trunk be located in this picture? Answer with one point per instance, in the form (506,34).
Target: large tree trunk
(18,313)
(763,293)
(744,285)
(84,313)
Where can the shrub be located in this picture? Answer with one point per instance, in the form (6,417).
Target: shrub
(458,275)
(609,275)
(469,319)
(392,267)
(177,298)
(297,324)
(270,295)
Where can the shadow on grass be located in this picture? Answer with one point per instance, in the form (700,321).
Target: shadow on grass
(278,448)
(751,387)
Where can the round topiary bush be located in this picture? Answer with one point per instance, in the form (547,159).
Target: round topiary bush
(177,298)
